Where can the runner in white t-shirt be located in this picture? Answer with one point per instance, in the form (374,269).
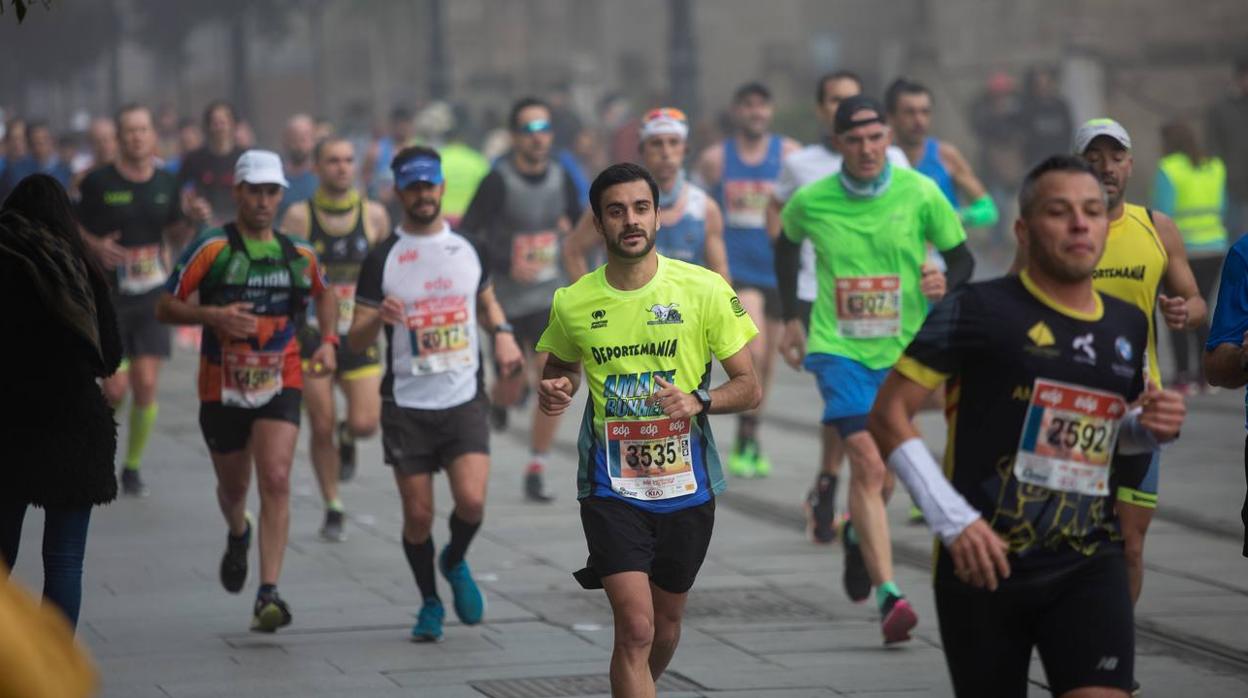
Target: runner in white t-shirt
(429,288)
(810,164)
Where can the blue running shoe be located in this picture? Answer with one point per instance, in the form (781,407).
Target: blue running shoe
(428,626)
(469,602)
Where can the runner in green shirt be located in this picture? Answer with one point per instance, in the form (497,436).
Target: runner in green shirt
(870,226)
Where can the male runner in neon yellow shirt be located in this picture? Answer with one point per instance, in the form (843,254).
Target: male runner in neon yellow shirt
(645,327)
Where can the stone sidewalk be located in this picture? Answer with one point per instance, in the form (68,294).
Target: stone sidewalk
(767,617)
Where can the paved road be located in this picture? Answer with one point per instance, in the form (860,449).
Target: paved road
(767,617)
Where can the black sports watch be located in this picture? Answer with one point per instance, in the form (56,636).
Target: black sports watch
(704,398)
(504,327)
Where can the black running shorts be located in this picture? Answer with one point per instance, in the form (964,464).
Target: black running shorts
(141,333)
(425,441)
(1080,620)
(624,538)
(228,429)
(350,364)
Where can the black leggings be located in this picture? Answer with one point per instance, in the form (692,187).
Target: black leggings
(1205,269)
(1243,513)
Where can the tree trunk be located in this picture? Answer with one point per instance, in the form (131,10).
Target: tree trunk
(683,54)
(439,61)
(240,86)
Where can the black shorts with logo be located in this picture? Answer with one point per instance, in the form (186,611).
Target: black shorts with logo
(424,441)
(1080,620)
(350,364)
(227,429)
(529,328)
(141,333)
(625,538)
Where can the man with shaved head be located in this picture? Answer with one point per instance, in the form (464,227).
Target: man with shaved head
(298,140)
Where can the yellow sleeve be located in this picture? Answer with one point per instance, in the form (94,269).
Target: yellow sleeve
(920,373)
(554,339)
(728,326)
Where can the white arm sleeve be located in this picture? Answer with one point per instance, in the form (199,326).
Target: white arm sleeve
(946,511)
(1133,438)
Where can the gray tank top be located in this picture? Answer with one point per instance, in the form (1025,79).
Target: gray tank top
(528,239)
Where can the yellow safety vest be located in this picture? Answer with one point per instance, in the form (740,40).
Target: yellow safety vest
(1198,194)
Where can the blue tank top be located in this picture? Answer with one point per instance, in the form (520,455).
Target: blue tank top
(686,238)
(931,166)
(743,193)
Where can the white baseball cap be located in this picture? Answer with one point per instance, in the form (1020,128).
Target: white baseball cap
(1095,128)
(260,167)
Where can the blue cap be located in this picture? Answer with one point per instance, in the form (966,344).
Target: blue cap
(420,168)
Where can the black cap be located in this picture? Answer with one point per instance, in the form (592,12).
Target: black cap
(858,103)
(751,89)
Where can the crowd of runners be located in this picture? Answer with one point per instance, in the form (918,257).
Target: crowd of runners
(623,275)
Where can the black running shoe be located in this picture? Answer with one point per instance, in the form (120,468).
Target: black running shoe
(332,531)
(1135,687)
(132,483)
(234,562)
(821,510)
(346,453)
(535,487)
(270,613)
(857,581)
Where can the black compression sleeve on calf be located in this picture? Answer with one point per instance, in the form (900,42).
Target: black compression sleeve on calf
(959,265)
(461,535)
(420,559)
(788,263)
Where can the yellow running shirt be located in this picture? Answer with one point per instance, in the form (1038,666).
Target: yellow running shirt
(670,327)
(1132,268)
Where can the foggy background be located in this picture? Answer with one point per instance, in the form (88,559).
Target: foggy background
(351,61)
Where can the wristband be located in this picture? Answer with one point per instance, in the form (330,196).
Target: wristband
(981,213)
(331,339)
(504,327)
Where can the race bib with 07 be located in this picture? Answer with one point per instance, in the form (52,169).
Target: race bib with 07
(868,306)
(440,341)
(650,459)
(1068,438)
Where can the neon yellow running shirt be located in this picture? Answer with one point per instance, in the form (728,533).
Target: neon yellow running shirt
(670,327)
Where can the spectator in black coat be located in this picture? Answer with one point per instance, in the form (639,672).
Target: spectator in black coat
(60,337)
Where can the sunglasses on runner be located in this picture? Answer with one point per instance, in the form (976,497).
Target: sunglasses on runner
(535,126)
(671,113)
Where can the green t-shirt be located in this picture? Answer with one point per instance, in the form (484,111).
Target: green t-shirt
(869,253)
(670,327)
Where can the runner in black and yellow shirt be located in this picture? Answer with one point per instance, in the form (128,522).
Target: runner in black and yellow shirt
(342,226)
(645,327)
(254,285)
(1046,387)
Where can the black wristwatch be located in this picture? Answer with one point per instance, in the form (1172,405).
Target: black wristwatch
(704,397)
(504,327)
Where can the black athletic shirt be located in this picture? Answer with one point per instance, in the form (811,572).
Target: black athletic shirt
(139,210)
(212,177)
(487,203)
(1013,358)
